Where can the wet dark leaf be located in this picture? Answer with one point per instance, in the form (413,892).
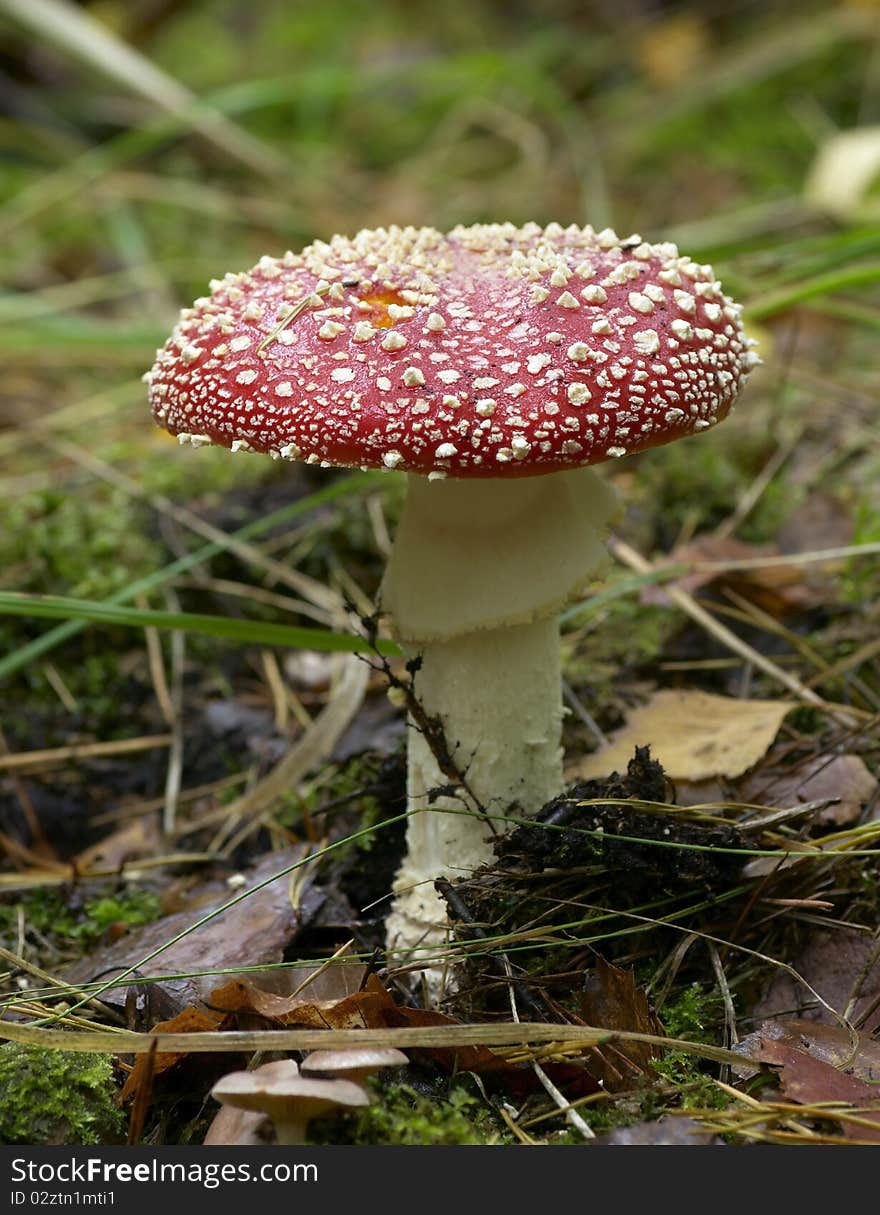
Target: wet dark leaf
(190,1021)
(829,1043)
(254,932)
(665,1132)
(809,1080)
(612,1000)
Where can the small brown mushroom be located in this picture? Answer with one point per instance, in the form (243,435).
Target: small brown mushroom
(356,1065)
(290,1100)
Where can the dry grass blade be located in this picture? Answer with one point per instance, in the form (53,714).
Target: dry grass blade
(570,1039)
(316,743)
(817,556)
(53,757)
(64,875)
(38,973)
(782,1121)
(516,1130)
(312,590)
(81,36)
(131,810)
(628,556)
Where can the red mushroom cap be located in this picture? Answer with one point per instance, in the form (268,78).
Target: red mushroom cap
(491,351)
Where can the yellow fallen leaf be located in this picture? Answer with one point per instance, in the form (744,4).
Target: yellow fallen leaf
(694,735)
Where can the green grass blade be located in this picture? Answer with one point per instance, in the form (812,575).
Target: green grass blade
(251,632)
(811,288)
(20,658)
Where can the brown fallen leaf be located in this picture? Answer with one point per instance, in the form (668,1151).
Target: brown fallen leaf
(828,1043)
(137,839)
(833,961)
(478,1059)
(842,779)
(373,1007)
(612,999)
(238,997)
(362,1010)
(696,736)
(808,1080)
(190,1021)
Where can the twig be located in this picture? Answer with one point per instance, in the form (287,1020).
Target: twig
(571,1114)
(174,772)
(573,1038)
(727,1000)
(577,705)
(498,962)
(429,726)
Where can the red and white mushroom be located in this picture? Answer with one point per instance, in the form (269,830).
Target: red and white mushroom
(493,365)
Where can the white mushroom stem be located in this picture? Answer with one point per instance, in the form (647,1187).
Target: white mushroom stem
(475,583)
(498,697)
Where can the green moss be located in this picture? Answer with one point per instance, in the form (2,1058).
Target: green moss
(49,1096)
(681,1080)
(204,479)
(401,1115)
(696,1088)
(85,547)
(693,1013)
(131,907)
(52,915)
(69,544)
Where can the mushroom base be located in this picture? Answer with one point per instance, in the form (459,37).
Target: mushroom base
(498,698)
